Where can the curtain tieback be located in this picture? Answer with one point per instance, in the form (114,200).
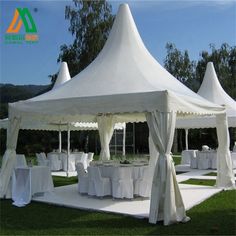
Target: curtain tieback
(164,159)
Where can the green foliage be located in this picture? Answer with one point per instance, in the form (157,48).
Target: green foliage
(191,73)
(176,159)
(179,65)
(90,24)
(224,59)
(13,93)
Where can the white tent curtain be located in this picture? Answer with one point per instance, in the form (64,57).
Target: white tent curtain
(105,129)
(68,150)
(9,158)
(186,139)
(225,174)
(123,142)
(154,154)
(166,200)
(59,140)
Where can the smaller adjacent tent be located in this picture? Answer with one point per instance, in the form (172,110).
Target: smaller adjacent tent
(63,75)
(211,90)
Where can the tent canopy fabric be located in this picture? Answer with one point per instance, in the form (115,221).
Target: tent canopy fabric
(124,78)
(211,90)
(74,126)
(63,75)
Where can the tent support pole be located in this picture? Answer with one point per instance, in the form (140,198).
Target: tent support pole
(133,138)
(68,149)
(186,139)
(115,142)
(59,139)
(123,147)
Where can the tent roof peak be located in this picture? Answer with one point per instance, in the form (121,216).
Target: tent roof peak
(212,90)
(63,75)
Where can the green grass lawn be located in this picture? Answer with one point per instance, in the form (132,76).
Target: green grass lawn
(176,159)
(213,174)
(215,216)
(61,181)
(209,182)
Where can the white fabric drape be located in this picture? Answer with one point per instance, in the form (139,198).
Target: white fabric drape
(105,128)
(68,150)
(124,137)
(225,174)
(154,154)
(59,140)
(166,200)
(186,139)
(9,158)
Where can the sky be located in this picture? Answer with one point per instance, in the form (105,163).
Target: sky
(191,25)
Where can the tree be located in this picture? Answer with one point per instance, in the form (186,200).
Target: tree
(179,65)
(90,24)
(224,60)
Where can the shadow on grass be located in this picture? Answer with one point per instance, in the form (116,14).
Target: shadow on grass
(214,216)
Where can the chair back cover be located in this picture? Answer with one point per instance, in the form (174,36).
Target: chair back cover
(95,173)
(20,160)
(90,156)
(80,169)
(43,155)
(205,148)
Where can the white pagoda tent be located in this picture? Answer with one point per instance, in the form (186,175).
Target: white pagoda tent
(126,84)
(63,76)
(211,90)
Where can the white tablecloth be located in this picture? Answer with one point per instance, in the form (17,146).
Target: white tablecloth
(187,155)
(63,157)
(208,160)
(26,181)
(233,157)
(54,161)
(107,170)
(74,157)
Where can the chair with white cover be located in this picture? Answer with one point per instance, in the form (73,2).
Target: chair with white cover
(90,158)
(203,161)
(143,185)
(205,148)
(83,181)
(233,158)
(193,162)
(54,162)
(214,161)
(44,157)
(122,183)
(78,157)
(84,160)
(98,186)
(41,160)
(20,160)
